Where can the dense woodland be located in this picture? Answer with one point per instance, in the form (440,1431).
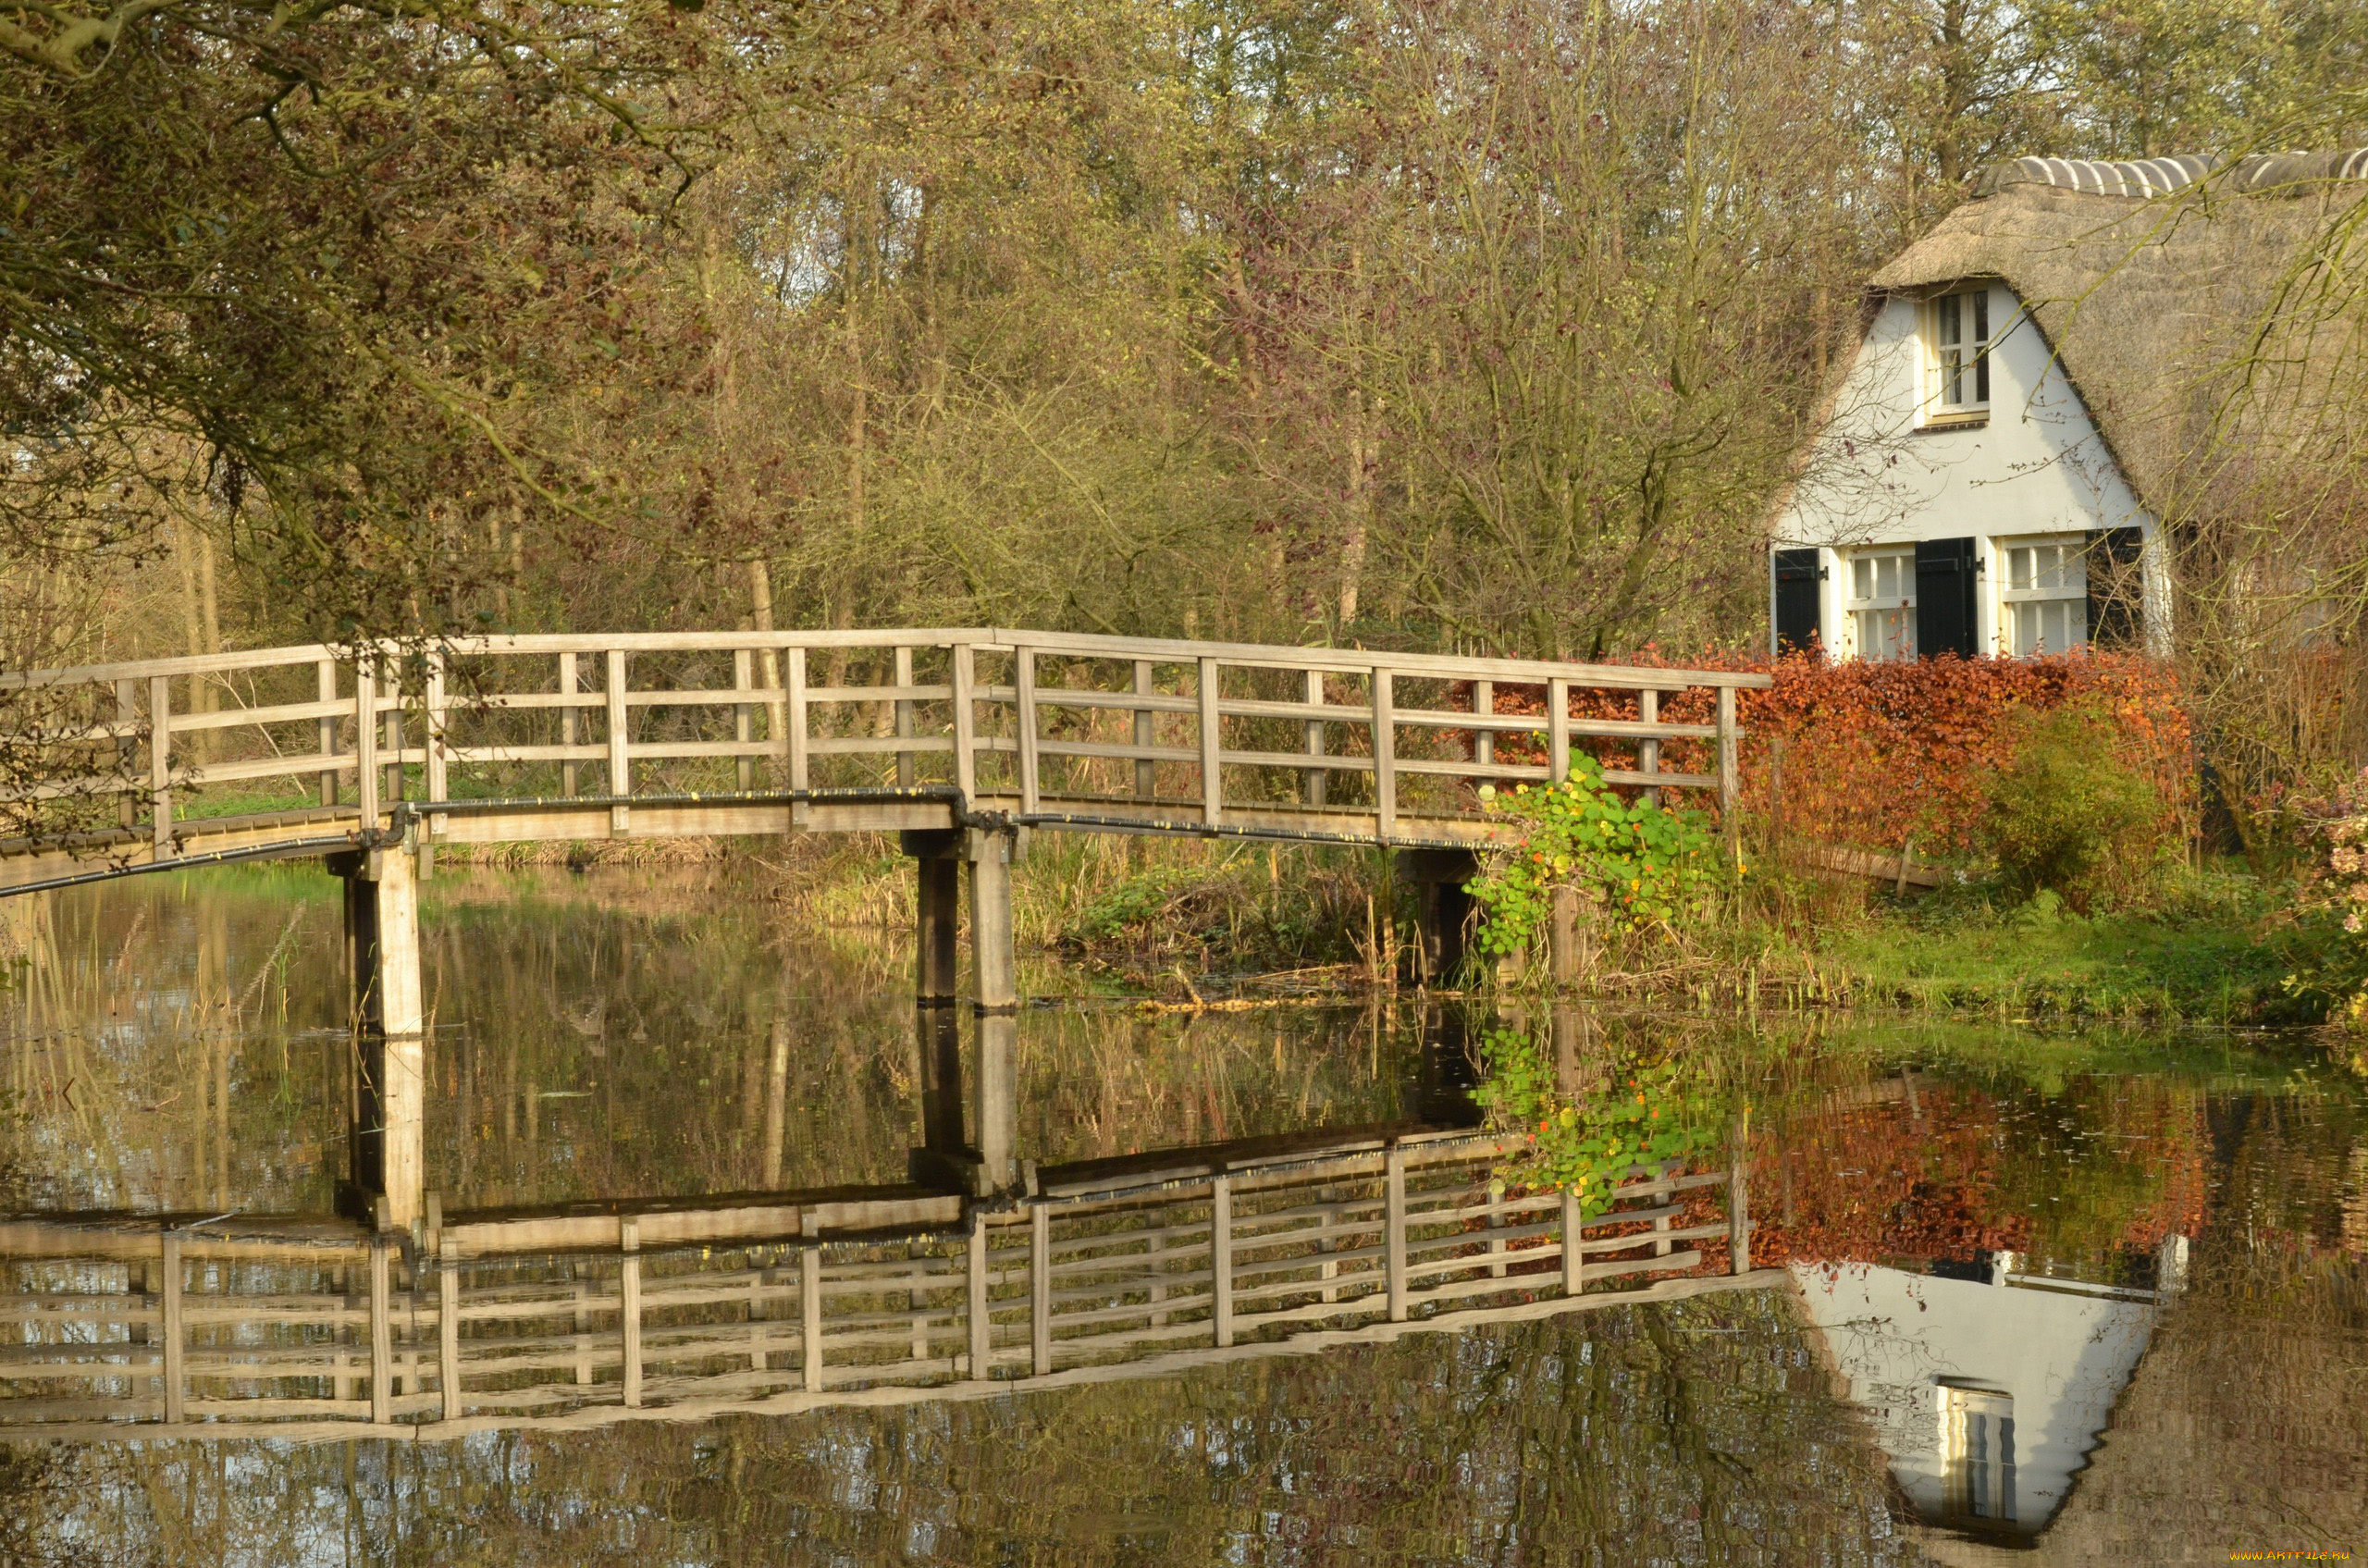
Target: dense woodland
(1483,324)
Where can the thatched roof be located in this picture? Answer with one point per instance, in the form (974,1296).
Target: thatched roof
(2161,305)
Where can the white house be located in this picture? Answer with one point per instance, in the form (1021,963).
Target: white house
(1989,476)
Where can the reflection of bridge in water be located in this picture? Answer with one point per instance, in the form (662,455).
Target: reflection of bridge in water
(962,741)
(983,1270)
(207,1327)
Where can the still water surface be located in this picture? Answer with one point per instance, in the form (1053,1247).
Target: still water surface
(2076,1298)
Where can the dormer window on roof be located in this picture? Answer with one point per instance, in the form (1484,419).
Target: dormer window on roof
(1956,358)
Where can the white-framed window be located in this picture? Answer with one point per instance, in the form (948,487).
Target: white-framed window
(2043,594)
(1978,1451)
(1881,605)
(1956,357)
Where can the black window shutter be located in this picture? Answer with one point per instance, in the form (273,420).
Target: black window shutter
(1946,622)
(1796,600)
(2117,585)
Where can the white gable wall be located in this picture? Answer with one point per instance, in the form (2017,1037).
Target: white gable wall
(1880,477)
(1898,1336)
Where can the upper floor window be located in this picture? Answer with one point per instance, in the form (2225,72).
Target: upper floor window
(2045,592)
(1882,603)
(1956,342)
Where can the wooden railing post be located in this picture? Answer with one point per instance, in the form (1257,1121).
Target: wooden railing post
(1023,662)
(743,721)
(1221,1258)
(1040,1289)
(175,1368)
(796,722)
(1573,1243)
(810,1307)
(619,763)
(1483,704)
(759,1341)
(1649,750)
(980,1321)
(1557,730)
(581,1340)
(447,1333)
(964,660)
(1146,735)
(398,779)
(1212,746)
(629,1306)
(1315,779)
(1729,781)
(567,686)
(438,740)
(325,686)
(1329,1270)
(160,763)
(904,718)
(1662,1192)
(382,1336)
(1738,1204)
(365,737)
(1385,753)
(1393,1228)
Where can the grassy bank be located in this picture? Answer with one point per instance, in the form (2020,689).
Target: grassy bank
(1139,911)
(2220,959)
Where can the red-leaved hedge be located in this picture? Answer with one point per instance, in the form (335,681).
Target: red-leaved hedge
(1874,754)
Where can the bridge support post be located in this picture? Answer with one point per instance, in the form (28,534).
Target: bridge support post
(998,1103)
(941,1159)
(992,952)
(994,965)
(938,867)
(1444,909)
(1566,954)
(387,1137)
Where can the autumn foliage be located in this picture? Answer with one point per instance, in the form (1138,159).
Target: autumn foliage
(1875,754)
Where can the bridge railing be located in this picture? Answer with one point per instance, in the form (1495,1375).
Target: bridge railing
(105,1332)
(1088,730)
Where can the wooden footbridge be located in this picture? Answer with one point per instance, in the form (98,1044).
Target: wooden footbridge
(963,741)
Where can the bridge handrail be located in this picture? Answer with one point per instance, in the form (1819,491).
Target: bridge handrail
(516,1321)
(120,735)
(1450,666)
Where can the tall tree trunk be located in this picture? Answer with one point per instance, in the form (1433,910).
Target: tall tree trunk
(761,619)
(201,619)
(1360,509)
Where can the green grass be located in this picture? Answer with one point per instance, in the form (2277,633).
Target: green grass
(2214,951)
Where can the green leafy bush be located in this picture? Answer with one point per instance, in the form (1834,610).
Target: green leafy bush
(2068,812)
(1585,1144)
(1643,863)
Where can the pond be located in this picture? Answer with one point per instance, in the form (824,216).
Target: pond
(2084,1296)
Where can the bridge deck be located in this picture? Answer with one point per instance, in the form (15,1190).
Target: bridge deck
(123,766)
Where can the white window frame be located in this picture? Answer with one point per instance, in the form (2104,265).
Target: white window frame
(1959,335)
(2065,583)
(1977,1456)
(1856,608)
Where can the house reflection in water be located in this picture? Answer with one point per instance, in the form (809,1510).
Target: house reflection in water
(1988,1397)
